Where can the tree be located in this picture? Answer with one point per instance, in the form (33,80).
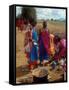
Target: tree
(52,19)
(29,13)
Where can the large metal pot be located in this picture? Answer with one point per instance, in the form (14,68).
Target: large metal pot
(40,75)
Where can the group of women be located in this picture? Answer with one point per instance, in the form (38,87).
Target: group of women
(39,48)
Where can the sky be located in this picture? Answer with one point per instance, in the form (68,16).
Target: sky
(46,13)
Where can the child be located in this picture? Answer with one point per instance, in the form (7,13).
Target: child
(44,44)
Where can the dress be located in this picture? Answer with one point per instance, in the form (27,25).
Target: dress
(61,46)
(62,53)
(34,49)
(44,45)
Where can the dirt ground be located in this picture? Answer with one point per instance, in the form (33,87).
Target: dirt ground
(26,76)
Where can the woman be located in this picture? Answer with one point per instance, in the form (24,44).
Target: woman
(34,48)
(52,45)
(57,48)
(60,47)
(62,53)
(44,44)
(28,41)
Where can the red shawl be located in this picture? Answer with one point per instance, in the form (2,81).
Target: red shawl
(46,40)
